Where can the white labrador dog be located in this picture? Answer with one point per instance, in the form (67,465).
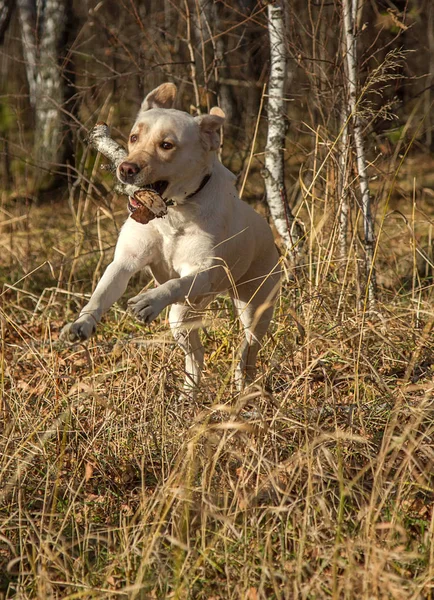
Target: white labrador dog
(209,242)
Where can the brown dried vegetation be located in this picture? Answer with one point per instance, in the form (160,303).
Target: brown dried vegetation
(318,482)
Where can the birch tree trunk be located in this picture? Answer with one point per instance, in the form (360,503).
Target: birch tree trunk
(27,18)
(43,27)
(350,17)
(343,165)
(6,9)
(283,219)
(49,84)
(344,207)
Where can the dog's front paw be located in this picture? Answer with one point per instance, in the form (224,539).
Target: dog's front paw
(79,331)
(146,307)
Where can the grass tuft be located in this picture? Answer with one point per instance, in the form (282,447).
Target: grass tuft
(318,482)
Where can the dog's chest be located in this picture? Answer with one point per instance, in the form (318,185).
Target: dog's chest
(176,251)
(164,267)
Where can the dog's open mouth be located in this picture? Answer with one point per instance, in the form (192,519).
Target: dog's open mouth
(148,203)
(159,187)
(133,204)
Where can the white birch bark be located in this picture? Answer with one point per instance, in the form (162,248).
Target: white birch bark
(280,212)
(101,140)
(42,30)
(27,18)
(344,207)
(343,166)
(349,14)
(49,84)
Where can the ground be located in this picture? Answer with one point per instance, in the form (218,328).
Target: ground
(317,483)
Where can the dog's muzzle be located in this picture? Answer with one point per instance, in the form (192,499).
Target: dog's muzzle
(128,171)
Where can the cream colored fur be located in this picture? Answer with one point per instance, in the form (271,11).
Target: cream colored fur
(207,244)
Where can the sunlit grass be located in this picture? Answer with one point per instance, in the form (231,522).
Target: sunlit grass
(315,483)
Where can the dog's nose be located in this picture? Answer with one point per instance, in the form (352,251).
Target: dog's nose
(128,170)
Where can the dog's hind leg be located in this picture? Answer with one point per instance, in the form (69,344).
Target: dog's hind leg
(254,308)
(185,325)
(255,323)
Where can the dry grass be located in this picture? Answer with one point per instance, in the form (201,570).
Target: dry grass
(318,483)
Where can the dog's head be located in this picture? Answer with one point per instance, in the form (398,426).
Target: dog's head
(169,150)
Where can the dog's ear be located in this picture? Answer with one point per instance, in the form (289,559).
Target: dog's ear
(218,112)
(209,126)
(162,97)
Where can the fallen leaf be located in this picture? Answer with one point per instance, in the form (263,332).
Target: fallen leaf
(88,471)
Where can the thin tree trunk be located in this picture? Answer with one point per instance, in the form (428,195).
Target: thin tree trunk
(27,18)
(193,70)
(225,98)
(281,214)
(43,27)
(49,85)
(6,10)
(344,207)
(349,14)
(343,166)
(430,77)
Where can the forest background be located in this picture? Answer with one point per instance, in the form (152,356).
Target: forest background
(318,482)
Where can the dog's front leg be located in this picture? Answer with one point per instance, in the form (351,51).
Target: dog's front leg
(109,289)
(148,305)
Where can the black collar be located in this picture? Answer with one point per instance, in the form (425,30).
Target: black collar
(202,185)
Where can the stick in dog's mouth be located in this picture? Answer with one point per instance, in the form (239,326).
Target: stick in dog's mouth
(148,203)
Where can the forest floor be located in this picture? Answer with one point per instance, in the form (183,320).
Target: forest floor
(317,483)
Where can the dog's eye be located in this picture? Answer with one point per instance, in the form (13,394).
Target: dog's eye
(133,138)
(166,145)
